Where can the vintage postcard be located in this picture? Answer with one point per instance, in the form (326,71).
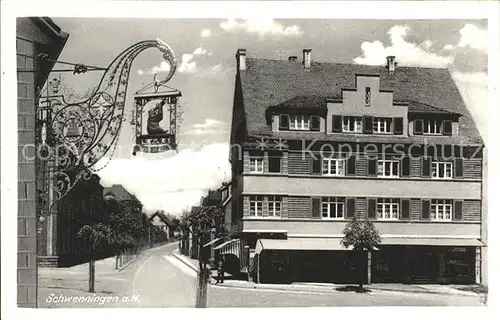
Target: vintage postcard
(247,161)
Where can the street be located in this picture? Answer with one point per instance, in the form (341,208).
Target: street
(158,279)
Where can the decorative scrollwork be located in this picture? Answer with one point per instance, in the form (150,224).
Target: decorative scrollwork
(83,132)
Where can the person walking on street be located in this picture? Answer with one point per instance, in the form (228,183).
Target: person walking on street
(220,270)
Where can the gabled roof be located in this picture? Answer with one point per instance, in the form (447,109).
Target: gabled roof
(267,83)
(162,217)
(119,192)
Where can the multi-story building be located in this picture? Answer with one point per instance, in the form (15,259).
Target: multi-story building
(34,36)
(314,144)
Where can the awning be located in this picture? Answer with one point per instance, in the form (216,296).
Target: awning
(211,242)
(301,244)
(263,231)
(421,241)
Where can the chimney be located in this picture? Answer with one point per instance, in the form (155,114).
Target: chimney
(391,64)
(241,55)
(306,58)
(292,58)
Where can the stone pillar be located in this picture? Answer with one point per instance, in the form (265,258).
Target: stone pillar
(477,265)
(441,267)
(369,268)
(26,186)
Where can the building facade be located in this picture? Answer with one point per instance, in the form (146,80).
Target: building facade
(33,36)
(314,144)
(58,241)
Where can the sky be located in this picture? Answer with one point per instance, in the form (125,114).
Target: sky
(205,51)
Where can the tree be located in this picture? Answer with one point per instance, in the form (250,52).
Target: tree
(96,236)
(201,223)
(361,235)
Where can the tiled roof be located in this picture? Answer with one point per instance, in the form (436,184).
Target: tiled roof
(419,107)
(304,102)
(119,192)
(267,83)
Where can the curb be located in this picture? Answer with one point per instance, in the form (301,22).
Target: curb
(178,257)
(310,290)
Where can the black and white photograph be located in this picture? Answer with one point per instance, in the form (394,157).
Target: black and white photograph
(246,160)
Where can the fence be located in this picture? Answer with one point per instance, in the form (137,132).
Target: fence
(128,255)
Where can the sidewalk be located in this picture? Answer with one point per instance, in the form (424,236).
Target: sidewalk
(329,287)
(74,282)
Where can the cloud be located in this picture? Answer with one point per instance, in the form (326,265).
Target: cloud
(199,51)
(474,37)
(448,47)
(474,89)
(164,67)
(140,72)
(187,64)
(205,33)
(261,27)
(407,53)
(210,126)
(207,124)
(172,182)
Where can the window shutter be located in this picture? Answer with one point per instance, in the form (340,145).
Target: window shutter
(457,210)
(405,167)
(351,208)
(426,208)
(426,167)
(316,164)
(316,207)
(372,208)
(372,167)
(367,124)
(459,167)
(336,123)
(398,125)
(351,165)
(405,209)
(284,122)
(418,126)
(315,123)
(447,128)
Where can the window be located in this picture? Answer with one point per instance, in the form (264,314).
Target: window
(352,124)
(388,168)
(382,125)
(368,96)
(387,209)
(256,163)
(333,167)
(442,170)
(299,122)
(256,205)
(274,206)
(441,210)
(432,127)
(274,163)
(332,208)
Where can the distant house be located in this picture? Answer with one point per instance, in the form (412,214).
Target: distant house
(119,192)
(164,223)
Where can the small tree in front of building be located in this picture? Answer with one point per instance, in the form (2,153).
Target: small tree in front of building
(360,235)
